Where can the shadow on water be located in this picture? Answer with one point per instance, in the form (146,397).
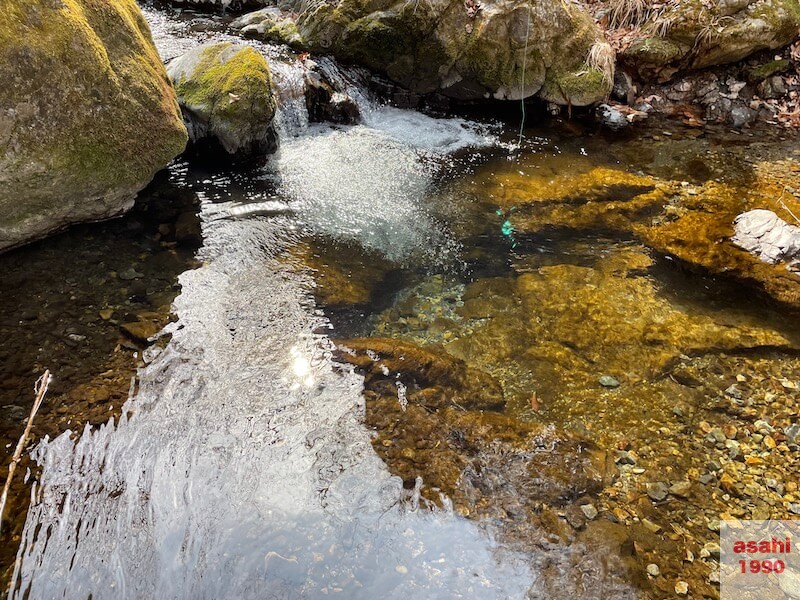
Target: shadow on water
(63,302)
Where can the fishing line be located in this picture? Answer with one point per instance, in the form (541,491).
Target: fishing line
(522,83)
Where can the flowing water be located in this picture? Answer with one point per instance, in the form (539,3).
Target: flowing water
(245,465)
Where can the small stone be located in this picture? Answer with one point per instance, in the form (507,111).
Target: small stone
(657,491)
(106,314)
(401,569)
(794,508)
(680,489)
(734,392)
(763,427)
(650,526)
(792,433)
(607,381)
(769,442)
(713,577)
(681,588)
(711,549)
(706,478)
(730,431)
(130,274)
(625,457)
(713,524)
(589,511)
(140,331)
(653,570)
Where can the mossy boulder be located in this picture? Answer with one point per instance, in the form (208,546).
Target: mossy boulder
(509,49)
(697,34)
(87,114)
(226,95)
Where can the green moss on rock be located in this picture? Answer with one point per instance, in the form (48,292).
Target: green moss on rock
(762,72)
(225,91)
(87,114)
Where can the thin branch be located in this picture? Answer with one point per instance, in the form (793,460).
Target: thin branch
(40,389)
(786,208)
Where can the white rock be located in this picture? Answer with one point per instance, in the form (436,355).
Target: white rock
(765,234)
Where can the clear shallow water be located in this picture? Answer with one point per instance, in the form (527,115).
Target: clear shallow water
(245,470)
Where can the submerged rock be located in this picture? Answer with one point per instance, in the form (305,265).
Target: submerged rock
(507,50)
(564,320)
(87,115)
(225,92)
(766,235)
(425,376)
(423,405)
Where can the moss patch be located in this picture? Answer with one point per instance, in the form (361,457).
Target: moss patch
(92,115)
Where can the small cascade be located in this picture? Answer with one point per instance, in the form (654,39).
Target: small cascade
(289,79)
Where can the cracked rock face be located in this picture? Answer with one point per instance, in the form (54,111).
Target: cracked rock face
(765,234)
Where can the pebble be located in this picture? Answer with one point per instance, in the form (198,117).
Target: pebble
(734,392)
(711,549)
(653,570)
(680,488)
(792,433)
(130,274)
(681,588)
(794,508)
(589,511)
(657,491)
(608,381)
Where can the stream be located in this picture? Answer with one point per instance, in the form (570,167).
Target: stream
(254,461)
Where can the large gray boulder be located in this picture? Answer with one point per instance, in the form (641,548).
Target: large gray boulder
(506,49)
(87,114)
(226,95)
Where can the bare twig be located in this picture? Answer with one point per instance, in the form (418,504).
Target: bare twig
(786,208)
(40,390)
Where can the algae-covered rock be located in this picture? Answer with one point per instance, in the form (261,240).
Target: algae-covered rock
(225,92)
(569,324)
(87,114)
(428,376)
(509,49)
